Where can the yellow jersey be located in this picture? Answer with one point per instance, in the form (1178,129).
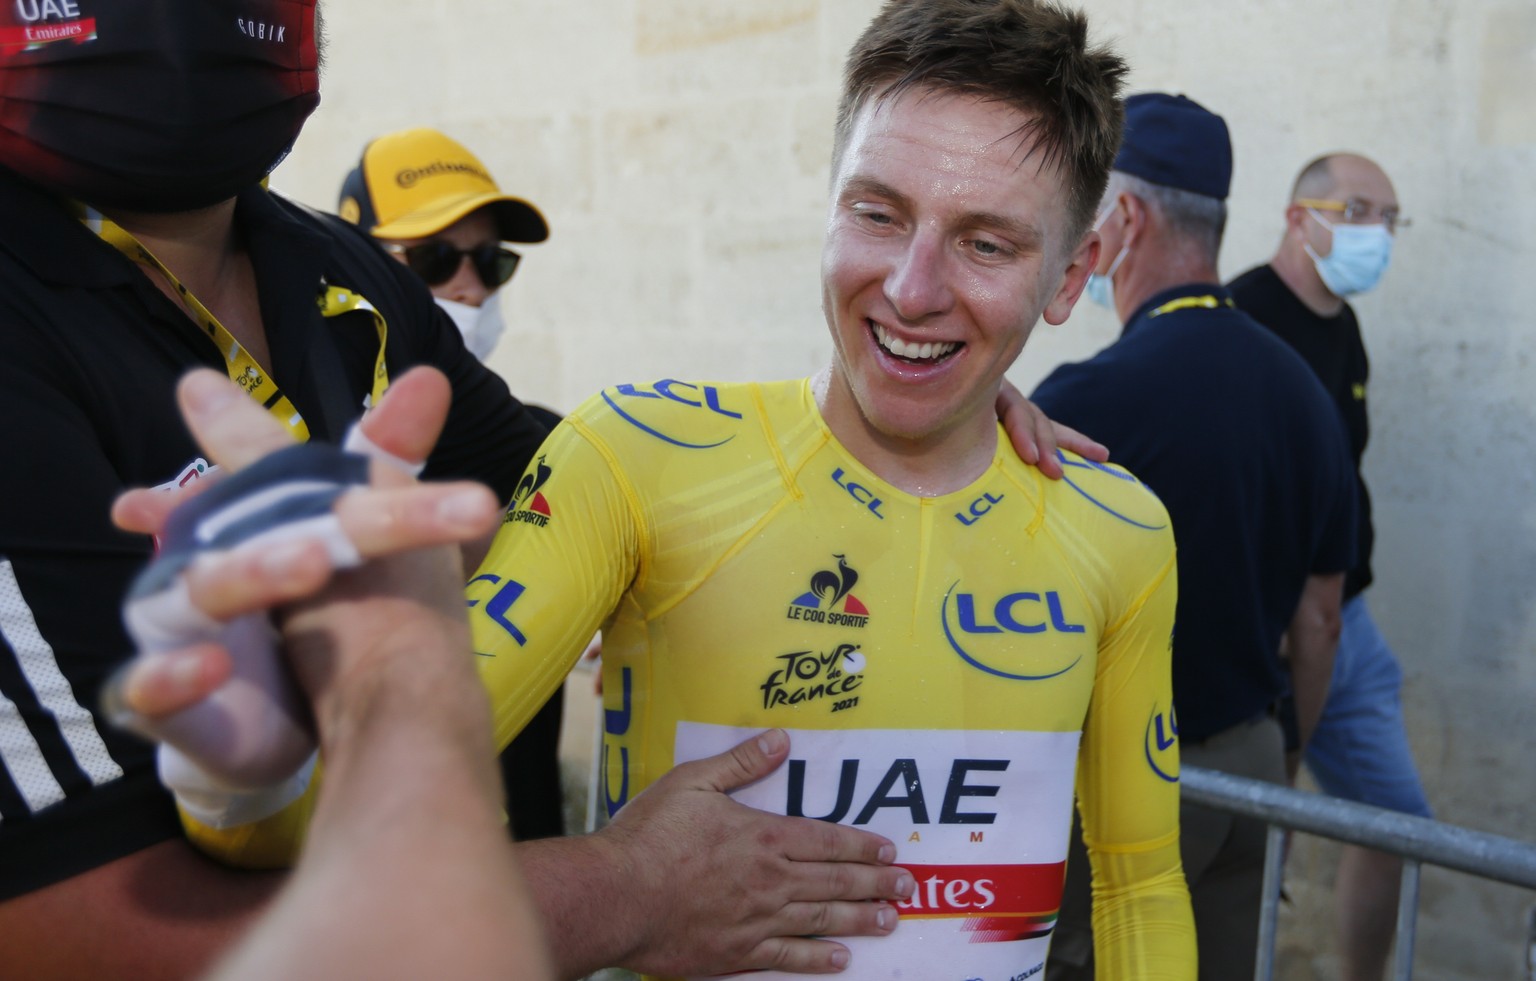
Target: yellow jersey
(947,668)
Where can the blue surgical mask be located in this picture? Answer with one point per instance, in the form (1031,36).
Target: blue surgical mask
(1101,289)
(1359,256)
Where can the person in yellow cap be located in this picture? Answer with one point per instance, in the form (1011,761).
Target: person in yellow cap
(433,205)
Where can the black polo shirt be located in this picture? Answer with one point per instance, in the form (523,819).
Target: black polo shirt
(1336,352)
(90,352)
(1230,428)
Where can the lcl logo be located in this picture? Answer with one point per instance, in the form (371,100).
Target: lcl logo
(1026,613)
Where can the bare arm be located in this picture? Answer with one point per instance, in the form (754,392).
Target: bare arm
(409,871)
(161,913)
(686,881)
(1310,643)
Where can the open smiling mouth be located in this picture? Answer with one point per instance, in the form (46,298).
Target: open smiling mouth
(911,353)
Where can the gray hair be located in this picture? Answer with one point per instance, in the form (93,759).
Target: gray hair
(1195,218)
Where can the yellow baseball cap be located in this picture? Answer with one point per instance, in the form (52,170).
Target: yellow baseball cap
(417,182)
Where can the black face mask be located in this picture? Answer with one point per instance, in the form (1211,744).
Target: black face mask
(153,105)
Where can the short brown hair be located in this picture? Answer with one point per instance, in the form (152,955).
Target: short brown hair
(1032,55)
(1315,179)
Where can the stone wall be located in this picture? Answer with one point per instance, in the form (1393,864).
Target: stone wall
(679,149)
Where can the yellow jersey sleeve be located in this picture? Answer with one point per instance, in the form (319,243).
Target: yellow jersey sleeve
(272,843)
(1128,796)
(568,550)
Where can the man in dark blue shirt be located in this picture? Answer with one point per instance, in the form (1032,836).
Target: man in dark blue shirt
(1230,428)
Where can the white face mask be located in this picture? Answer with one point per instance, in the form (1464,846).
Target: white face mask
(481,326)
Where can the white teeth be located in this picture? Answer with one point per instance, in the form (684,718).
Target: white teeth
(905,349)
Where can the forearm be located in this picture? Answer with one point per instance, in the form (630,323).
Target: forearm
(585,900)
(1310,644)
(163,912)
(411,796)
(1311,656)
(1142,920)
(1143,927)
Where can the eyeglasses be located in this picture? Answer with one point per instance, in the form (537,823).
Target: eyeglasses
(437,261)
(1358,211)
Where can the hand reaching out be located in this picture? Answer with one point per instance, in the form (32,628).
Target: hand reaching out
(408,830)
(210,681)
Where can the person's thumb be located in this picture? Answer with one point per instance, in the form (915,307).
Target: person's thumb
(747,761)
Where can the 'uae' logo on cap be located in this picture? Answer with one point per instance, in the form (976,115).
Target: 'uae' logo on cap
(45,21)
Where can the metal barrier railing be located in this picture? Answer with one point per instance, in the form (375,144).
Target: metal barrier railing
(1416,839)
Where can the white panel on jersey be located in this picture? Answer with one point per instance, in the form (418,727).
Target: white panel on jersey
(23,760)
(979,817)
(38,665)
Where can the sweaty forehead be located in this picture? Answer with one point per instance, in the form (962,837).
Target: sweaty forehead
(954,153)
(969,129)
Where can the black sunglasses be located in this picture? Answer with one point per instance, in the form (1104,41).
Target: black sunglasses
(437,261)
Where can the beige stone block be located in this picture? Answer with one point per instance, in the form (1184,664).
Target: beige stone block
(704,160)
(548,159)
(1506,108)
(842,21)
(666,26)
(762,277)
(530,358)
(613,276)
(706,49)
(811,124)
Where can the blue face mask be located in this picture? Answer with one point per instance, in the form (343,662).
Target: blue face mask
(1359,256)
(1101,289)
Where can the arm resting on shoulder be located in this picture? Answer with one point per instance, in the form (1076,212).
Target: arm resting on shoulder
(1036,437)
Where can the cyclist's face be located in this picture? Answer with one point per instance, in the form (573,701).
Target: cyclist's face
(946,242)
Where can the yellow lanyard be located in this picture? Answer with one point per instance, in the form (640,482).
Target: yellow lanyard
(1206,302)
(333,301)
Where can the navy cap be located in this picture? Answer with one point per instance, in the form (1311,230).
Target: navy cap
(1176,142)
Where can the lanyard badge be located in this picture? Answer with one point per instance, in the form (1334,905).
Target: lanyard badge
(243,370)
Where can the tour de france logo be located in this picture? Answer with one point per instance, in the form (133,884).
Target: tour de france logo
(807,677)
(831,598)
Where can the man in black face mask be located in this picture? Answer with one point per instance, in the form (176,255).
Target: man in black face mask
(137,242)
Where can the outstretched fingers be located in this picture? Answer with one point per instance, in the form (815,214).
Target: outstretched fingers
(159,685)
(382,522)
(145,510)
(227,423)
(409,418)
(378,522)
(811,841)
